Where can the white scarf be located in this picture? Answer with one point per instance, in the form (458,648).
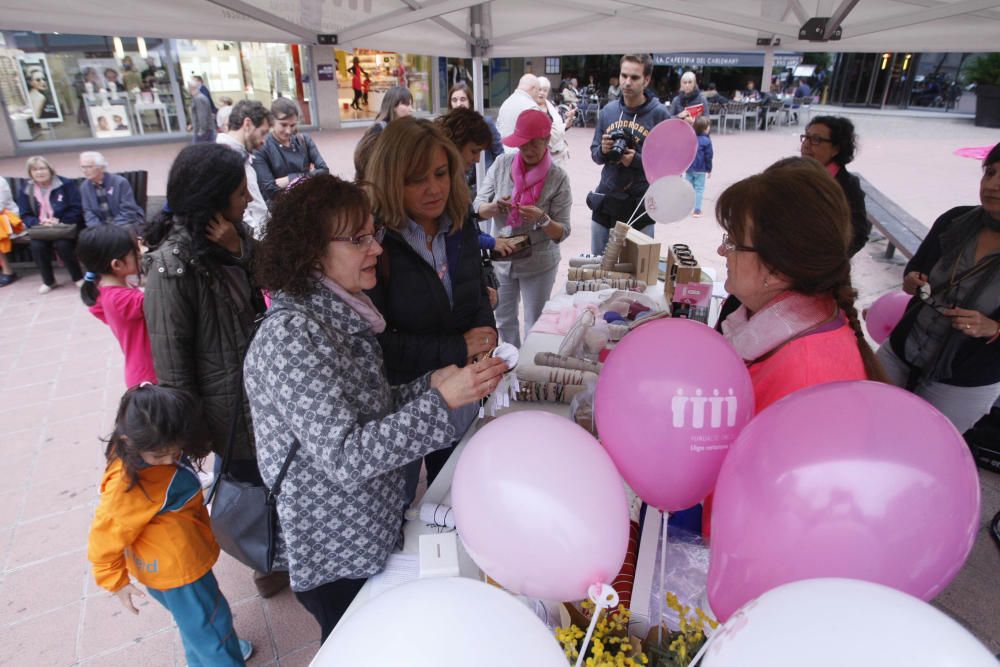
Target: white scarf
(788,315)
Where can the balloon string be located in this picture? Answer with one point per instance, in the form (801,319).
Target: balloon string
(632,218)
(590,631)
(663,571)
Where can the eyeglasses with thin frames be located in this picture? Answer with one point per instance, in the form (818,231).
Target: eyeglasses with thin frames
(814,139)
(363,241)
(729,246)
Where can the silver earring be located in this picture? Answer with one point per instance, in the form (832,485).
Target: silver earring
(765,282)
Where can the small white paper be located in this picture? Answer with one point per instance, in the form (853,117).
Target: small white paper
(399,569)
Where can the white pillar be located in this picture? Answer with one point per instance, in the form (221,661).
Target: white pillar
(765,84)
(326,107)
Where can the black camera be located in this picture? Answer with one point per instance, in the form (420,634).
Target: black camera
(622,141)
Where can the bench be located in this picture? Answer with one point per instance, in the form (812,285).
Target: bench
(137,180)
(901,230)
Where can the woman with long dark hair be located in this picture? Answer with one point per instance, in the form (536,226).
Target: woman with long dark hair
(460,97)
(396,103)
(201,302)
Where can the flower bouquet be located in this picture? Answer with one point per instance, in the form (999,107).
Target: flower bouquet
(610,646)
(669,648)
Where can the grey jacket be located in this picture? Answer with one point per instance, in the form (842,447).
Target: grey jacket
(319,377)
(202,118)
(556,199)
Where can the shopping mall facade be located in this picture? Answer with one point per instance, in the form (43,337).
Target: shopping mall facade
(64,91)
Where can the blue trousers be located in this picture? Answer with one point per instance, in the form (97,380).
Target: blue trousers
(599,236)
(697,180)
(205,622)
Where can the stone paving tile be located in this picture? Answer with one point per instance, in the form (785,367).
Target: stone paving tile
(300,658)
(107,625)
(59,494)
(251,624)
(156,650)
(291,624)
(52,536)
(48,640)
(36,589)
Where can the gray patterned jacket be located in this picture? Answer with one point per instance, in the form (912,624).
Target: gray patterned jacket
(320,378)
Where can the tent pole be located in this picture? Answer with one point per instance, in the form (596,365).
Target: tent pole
(479,49)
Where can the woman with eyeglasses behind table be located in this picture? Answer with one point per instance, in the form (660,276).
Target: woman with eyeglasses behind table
(314,375)
(946,349)
(831,141)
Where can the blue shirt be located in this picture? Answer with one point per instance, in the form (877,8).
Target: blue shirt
(437,256)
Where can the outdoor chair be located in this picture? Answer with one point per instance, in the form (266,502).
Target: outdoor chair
(734,114)
(772,113)
(750,113)
(716,114)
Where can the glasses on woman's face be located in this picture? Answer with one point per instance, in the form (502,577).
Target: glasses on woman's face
(814,139)
(729,246)
(363,241)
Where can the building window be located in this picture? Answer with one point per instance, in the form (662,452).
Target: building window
(553,65)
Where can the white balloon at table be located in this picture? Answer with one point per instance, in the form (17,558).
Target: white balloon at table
(441,622)
(669,199)
(841,622)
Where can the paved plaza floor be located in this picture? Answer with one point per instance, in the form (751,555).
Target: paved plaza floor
(62,375)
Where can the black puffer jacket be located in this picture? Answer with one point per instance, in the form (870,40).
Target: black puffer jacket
(423,331)
(199,325)
(860,227)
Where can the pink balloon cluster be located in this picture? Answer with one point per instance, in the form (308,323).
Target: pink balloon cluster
(885,314)
(667,152)
(671,398)
(540,507)
(860,480)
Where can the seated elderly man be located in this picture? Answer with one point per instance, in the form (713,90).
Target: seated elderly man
(107,198)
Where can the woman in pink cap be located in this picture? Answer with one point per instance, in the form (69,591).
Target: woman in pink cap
(526,195)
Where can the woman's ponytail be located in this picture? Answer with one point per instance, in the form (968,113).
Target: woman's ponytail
(96,249)
(845,295)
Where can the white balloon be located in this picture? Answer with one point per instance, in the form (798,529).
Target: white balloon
(840,622)
(669,199)
(441,622)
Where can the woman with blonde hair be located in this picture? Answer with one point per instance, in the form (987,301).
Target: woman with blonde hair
(430,288)
(44,201)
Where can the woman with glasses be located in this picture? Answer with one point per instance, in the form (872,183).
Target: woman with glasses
(315,377)
(831,141)
(945,348)
(430,288)
(797,325)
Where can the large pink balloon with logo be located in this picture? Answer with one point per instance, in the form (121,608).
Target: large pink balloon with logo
(671,398)
(861,480)
(540,507)
(669,149)
(885,314)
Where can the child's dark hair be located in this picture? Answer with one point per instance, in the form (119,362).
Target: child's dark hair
(96,248)
(152,418)
(701,125)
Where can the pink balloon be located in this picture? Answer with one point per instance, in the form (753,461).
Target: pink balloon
(860,480)
(672,396)
(540,507)
(669,149)
(885,314)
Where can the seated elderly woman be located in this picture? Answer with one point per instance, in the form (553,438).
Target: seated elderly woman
(945,348)
(797,325)
(526,195)
(316,382)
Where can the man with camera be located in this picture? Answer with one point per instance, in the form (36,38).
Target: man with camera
(621,130)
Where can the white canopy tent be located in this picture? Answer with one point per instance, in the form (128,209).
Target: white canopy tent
(505,28)
(513,28)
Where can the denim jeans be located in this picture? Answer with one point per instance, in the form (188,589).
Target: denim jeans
(697,180)
(599,236)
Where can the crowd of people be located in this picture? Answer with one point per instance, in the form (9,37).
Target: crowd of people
(337,335)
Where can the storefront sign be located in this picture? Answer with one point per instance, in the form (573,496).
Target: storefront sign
(781,60)
(325,72)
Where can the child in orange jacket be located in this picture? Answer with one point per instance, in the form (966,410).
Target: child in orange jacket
(151,522)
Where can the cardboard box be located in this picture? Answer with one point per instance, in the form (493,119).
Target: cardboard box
(675,274)
(643,253)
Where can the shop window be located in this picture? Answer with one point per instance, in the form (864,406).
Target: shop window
(78,87)
(377,72)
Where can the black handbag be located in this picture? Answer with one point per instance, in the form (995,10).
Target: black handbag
(56,232)
(245,513)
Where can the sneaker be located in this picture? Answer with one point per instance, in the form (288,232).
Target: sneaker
(79,283)
(696,214)
(7,278)
(246,649)
(45,289)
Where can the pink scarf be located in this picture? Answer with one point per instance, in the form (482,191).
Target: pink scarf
(528,184)
(44,205)
(359,302)
(785,317)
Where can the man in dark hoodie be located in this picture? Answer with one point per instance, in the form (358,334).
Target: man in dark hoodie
(623,183)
